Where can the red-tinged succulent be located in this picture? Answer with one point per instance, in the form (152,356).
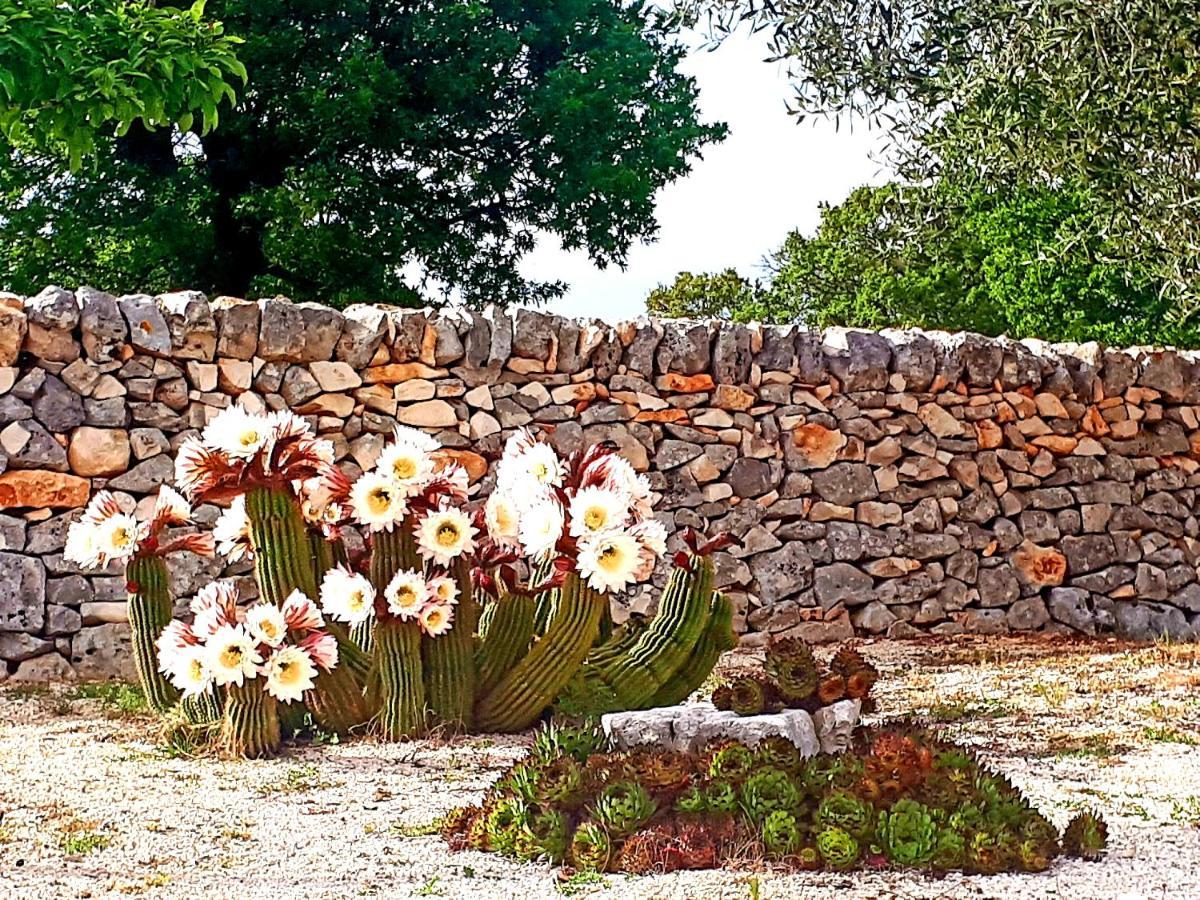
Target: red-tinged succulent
(1086,836)
(653,849)
(831,689)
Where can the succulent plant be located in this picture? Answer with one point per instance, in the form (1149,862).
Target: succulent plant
(767,791)
(838,848)
(985,853)
(831,689)
(623,807)
(699,842)
(542,836)
(559,783)
(1032,856)
(730,761)
(792,664)
(808,858)
(590,849)
(504,823)
(847,659)
(949,851)
(841,809)
(456,825)
(652,849)
(692,801)
(668,771)
(781,834)
(779,752)
(907,833)
(748,694)
(577,741)
(721,796)
(1086,836)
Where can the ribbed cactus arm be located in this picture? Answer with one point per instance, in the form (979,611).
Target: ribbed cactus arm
(524,692)
(150,610)
(666,645)
(717,638)
(505,632)
(449,660)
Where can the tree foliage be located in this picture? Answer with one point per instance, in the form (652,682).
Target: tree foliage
(1001,95)
(720,295)
(69,70)
(996,265)
(379,150)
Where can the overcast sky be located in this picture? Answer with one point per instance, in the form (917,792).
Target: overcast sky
(738,203)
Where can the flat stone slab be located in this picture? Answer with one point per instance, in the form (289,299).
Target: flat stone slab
(691,727)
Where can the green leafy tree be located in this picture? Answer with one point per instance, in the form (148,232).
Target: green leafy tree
(1002,95)
(986,263)
(721,295)
(379,150)
(70,70)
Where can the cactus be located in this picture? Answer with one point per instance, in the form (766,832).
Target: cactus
(282,564)
(401,714)
(449,661)
(203,709)
(716,639)
(632,679)
(150,609)
(505,630)
(533,683)
(250,727)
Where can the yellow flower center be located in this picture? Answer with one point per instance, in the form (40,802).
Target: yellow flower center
(269,629)
(121,537)
(594,518)
(288,672)
(609,558)
(404,468)
(435,619)
(196,668)
(379,500)
(405,597)
(357,600)
(249,438)
(541,471)
(447,534)
(231,657)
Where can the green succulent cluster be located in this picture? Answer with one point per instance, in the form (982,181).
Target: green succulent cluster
(842,809)
(781,833)
(576,741)
(624,807)
(652,810)
(907,834)
(766,791)
(838,848)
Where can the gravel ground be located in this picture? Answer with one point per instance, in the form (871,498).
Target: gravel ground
(90,806)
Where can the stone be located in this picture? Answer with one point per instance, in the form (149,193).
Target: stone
(1039,566)
(22,593)
(684,348)
(146,477)
(813,446)
(13,327)
(15,647)
(297,332)
(782,573)
(148,330)
(57,406)
(842,583)
(99,451)
(845,484)
(874,618)
(1028,614)
(237,323)
(998,586)
(103,651)
(940,422)
(428,414)
(298,386)
(102,327)
(30,446)
(334,377)
(835,725)
(48,669)
(751,477)
(364,330)
(40,488)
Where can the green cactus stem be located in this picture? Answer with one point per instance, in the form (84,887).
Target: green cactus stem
(449,661)
(363,635)
(203,709)
(250,727)
(533,683)
(402,712)
(150,610)
(505,632)
(632,679)
(283,562)
(717,638)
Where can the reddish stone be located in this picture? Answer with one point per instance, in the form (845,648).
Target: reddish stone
(36,488)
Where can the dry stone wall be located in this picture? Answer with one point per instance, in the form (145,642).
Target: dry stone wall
(892,483)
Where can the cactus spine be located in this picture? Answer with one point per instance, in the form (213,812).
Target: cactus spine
(449,661)
(282,564)
(250,728)
(505,631)
(533,683)
(150,610)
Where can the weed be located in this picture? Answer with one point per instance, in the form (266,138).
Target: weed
(118,696)
(80,838)
(1187,812)
(1169,735)
(430,887)
(421,829)
(963,710)
(1098,746)
(580,882)
(297,780)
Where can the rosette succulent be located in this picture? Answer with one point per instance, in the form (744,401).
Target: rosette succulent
(542,836)
(791,664)
(842,809)
(692,801)
(577,741)
(838,848)
(767,791)
(623,807)
(1086,836)
(781,833)
(721,797)
(731,761)
(591,848)
(778,752)
(505,822)
(907,833)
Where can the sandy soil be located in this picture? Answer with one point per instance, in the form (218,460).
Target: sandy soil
(91,806)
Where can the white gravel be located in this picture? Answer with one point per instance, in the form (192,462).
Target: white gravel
(338,821)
